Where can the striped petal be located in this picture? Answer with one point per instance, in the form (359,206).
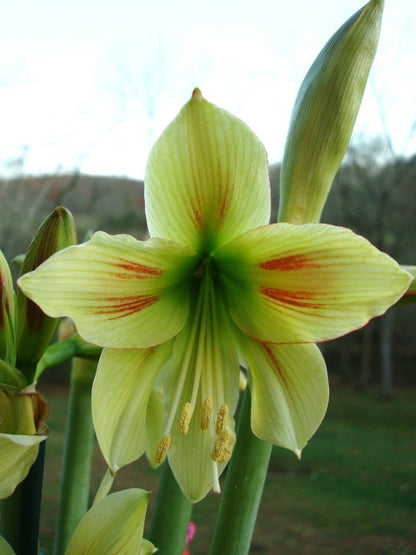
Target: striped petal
(207,175)
(213,357)
(120,401)
(309,283)
(120,292)
(289,388)
(18,453)
(112,525)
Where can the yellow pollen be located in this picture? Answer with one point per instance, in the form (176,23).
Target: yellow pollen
(222,420)
(185,419)
(162,449)
(206,412)
(223,447)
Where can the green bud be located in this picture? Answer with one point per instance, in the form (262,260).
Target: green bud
(11,378)
(34,328)
(7,314)
(324,115)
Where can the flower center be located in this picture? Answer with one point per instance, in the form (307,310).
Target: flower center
(200,370)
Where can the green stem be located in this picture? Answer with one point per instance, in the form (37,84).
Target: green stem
(243,489)
(9,517)
(171,516)
(76,471)
(29,517)
(20,514)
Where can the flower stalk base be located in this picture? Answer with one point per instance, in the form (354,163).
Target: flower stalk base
(243,488)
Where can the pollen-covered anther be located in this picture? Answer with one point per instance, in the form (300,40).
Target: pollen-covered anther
(206,412)
(223,447)
(222,420)
(162,449)
(185,418)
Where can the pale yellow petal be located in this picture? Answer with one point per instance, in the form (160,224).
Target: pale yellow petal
(120,292)
(113,525)
(289,389)
(120,398)
(206,178)
(294,284)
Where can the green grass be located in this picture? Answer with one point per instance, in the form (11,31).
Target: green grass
(353,492)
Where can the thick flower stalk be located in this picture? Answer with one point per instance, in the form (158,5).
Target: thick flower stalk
(214,286)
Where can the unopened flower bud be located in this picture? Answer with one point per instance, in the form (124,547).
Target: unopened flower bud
(324,115)
(7,314)
(34,328)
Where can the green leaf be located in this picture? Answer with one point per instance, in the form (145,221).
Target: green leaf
(324,115)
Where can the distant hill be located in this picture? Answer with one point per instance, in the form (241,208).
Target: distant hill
(112,204)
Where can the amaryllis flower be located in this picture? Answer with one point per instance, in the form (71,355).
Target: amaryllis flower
(212,287)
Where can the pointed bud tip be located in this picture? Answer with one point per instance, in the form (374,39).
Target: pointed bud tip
(197,95)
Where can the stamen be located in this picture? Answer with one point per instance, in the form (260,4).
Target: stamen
(162,449)
(223,447)
(185,367)
(185,418)
(215,478)
(222,420)
(206,412)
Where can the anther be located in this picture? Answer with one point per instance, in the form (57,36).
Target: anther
(223,447)
(185,418)
(162,449)
(206,412)
(222,420)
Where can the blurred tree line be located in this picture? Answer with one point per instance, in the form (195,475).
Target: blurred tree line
(374,194)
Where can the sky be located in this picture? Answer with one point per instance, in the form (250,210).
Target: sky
(90,85)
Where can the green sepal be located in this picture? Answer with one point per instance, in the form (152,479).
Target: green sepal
(324,115)
(34,328)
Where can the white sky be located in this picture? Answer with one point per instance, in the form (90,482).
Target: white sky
(92,84)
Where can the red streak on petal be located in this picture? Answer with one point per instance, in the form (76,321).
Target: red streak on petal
(197,217)
(294,298)
(138,270)
(287,263)
(126,306)
(223,207)
(275,362)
